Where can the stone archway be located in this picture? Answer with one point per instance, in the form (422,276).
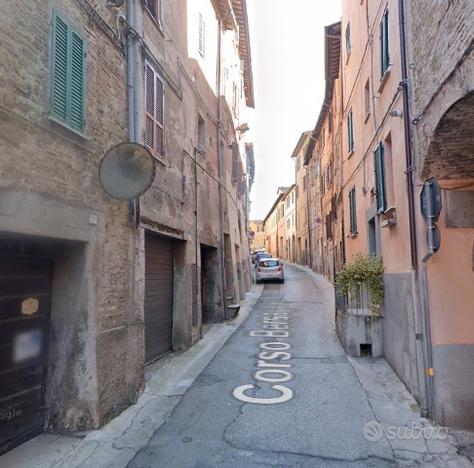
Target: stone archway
(450,153)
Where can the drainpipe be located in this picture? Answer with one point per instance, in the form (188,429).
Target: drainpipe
(423,340)
(132,67)
(308,213)
(219,171)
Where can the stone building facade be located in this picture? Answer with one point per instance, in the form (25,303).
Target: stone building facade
(323,157)
(67,248)
(376,204)
(257,235)
(301,178)
(289,252)
(108,286)
(274,225)
(441,77)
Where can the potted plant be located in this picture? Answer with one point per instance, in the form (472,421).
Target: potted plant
(362,282)
(359,313)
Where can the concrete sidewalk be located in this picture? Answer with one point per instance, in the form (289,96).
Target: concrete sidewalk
(396,410)
(115,444)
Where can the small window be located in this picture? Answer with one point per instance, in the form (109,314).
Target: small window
(202,35)
(350,133)
(352,211)
(384,54)
(154,112)
(155,7)
(348,38)
(380,191)
(235,162)
(201,134)
(367,98)
(68,70)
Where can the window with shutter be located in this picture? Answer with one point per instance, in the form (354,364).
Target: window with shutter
(154,112)
(352,211)
(380,192)
(348,38)
(67,104)
(235,162)
(155,7)
(384,55)
(202,35)
(350,133)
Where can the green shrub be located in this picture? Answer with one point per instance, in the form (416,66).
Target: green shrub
(364,270)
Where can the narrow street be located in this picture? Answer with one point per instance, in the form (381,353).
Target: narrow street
(320,426)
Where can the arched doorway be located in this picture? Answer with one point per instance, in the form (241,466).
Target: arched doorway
(450,271)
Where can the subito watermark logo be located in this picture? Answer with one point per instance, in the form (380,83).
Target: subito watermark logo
(421,429)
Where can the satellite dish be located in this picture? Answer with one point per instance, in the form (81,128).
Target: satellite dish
(127,171)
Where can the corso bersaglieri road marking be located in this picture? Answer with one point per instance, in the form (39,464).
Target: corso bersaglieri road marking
(276,327)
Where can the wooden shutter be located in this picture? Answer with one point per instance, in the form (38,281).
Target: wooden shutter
(77,82)
(59,71)
(154,112)
(235,162)
(352,211)
(202,35)
(350,132)
(68,75)
(380,194)
(384,55)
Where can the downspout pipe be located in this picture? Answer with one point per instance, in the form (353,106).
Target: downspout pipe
(421,310)
(308,217)
(219,170)
(132,95)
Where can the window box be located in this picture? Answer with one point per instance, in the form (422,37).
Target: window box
(388,218)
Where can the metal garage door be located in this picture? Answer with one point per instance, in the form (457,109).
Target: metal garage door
(158,296)
(25,288)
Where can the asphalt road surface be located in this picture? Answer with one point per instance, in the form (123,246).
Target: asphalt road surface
(280,392)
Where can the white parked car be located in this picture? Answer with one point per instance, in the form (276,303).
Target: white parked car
(269,269)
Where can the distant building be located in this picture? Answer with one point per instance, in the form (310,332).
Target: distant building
(323,158)
(257,235)
(301,182)
(274,225)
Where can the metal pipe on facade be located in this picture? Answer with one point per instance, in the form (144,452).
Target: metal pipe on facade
(132,54)
(421,310)
(219,170)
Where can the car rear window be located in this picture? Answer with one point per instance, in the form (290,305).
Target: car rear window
(269,263)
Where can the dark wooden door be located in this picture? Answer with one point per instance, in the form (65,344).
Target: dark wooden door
(25,296)
(158,296)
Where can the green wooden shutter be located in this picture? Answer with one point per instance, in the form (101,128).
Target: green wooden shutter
(59,69)
(350,132)
(384,56)
(77,81)
(352,211)
(380,179)
(68,75)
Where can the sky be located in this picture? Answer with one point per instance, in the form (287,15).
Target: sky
(287,44)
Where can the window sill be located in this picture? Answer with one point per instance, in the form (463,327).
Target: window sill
(367,115)
(67,127)
(155,20)
(384,78)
